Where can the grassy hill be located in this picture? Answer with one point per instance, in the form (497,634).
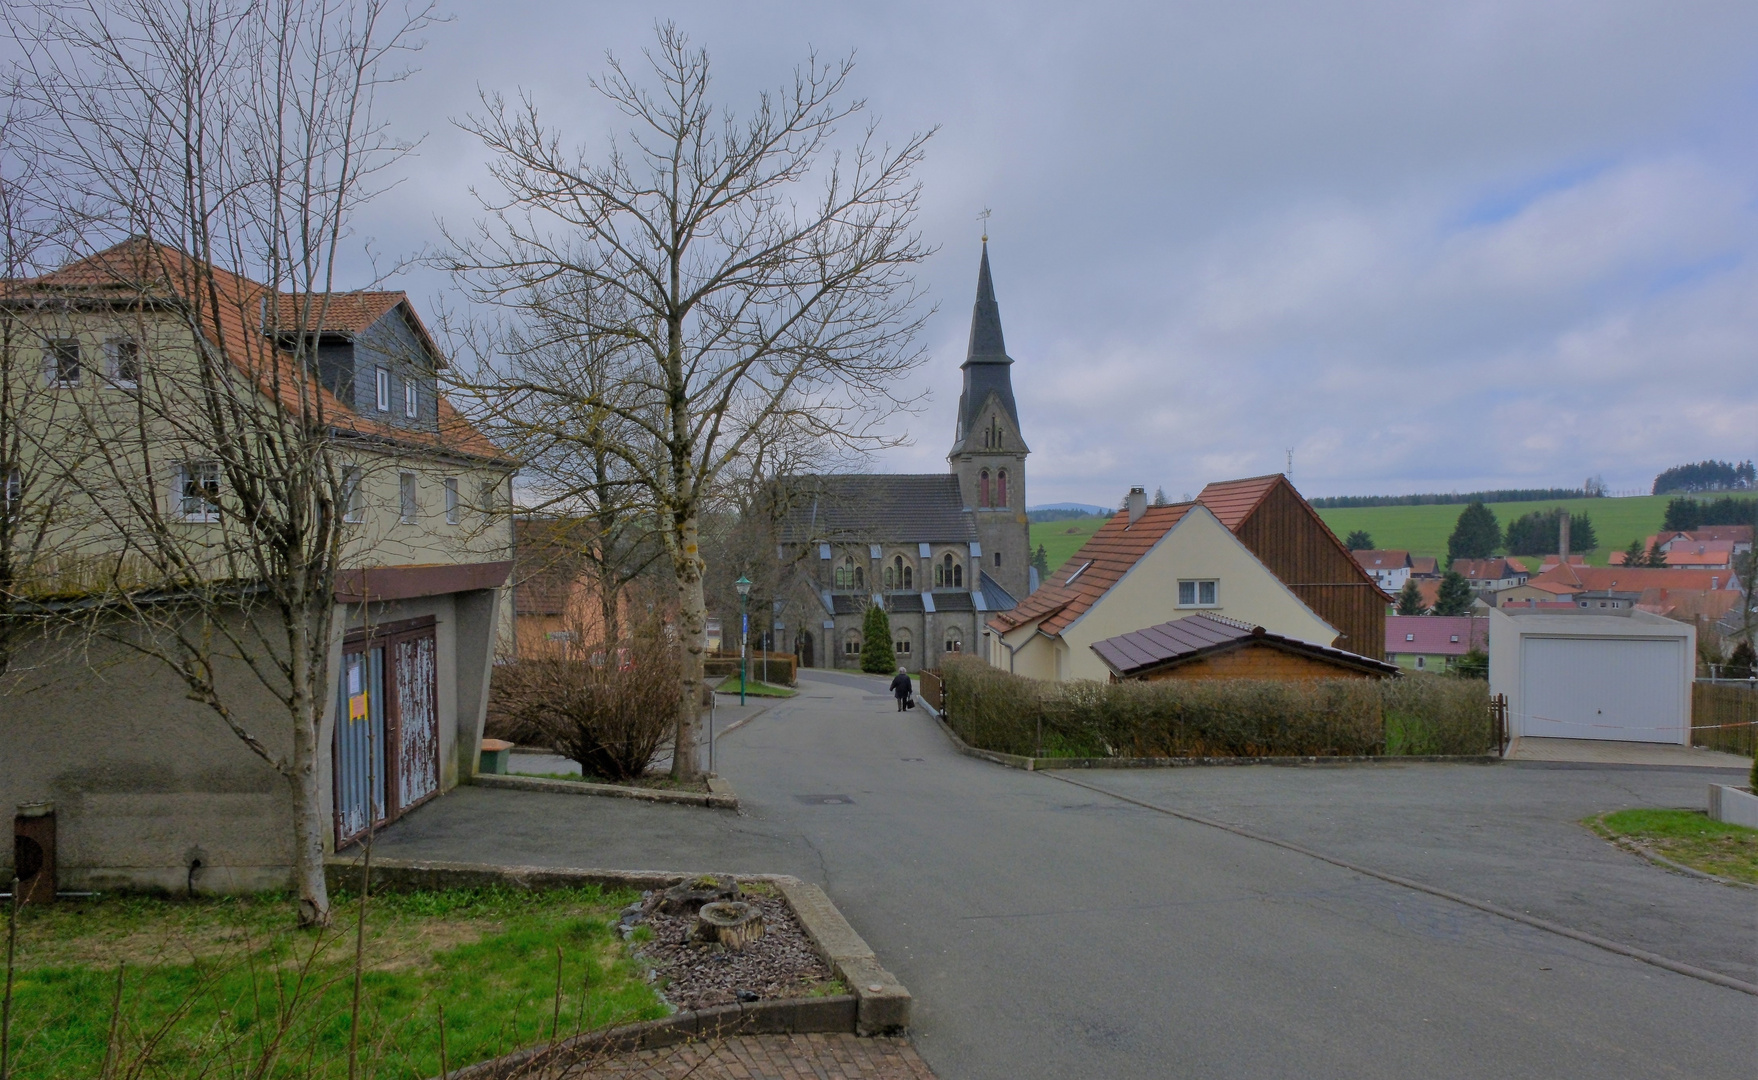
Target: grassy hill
(1421,530)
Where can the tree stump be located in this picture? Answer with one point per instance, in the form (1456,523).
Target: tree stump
(731,923)
(687,898)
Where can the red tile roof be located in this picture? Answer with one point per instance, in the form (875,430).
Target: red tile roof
(1435,635)
(1100,563)
(1232,501)
(137,271)
(1630,579)
(1424,564)
(1488,569)
(1389,559)
(1689,604)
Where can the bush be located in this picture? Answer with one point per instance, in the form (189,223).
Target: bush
(877,655)
(1416,714)
(612,710)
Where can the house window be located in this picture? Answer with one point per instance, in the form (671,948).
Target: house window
(353,496)
(1454,639)
(488,496)
(198,491)
(1422,661)
(983,488)
(1412,637)
(997,558)
(1001,488)
(451,483)
(14,491)
(1197,593)
(61,363)
(411,399)
(407,508)
(851,645)
(124,359)
(382,387)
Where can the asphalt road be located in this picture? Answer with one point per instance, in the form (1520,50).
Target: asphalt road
(1052,931)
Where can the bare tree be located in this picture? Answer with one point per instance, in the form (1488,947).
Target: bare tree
(232,140)
(759,269)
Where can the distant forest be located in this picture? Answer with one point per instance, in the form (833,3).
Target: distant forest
(1688,514)
(1594,490)
(1059,515)
(1707,476)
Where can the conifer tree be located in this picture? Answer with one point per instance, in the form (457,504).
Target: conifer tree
(1359,540)
(1041,560)
(877,655)
(1476,535)
(1455,595)
(1410,599)
(1634,555)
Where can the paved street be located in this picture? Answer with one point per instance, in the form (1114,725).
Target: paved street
(1052,931)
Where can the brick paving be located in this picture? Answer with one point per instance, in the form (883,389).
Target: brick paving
(837,1056)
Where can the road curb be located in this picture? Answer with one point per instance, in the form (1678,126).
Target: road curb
(721,798)
(1031,764)
(882,1004)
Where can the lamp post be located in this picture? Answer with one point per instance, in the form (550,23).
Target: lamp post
(743,585)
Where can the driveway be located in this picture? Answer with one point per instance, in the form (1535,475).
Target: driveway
(1048,930)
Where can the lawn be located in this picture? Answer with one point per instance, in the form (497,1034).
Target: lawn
(1687,837)
(1062,539)
(754,687)
(193,988)
(1423,530)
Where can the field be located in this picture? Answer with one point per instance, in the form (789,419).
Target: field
(1421,530)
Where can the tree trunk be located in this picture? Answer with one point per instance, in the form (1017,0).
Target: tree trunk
(733,924)
(692,637)
(310,672)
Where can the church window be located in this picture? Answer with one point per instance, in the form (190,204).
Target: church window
(890,579)
(983,488)
(899,575)
(845,574)
(851,645)
(1001,488)
(860,577)
(949,574)
(902,645)
(953,642)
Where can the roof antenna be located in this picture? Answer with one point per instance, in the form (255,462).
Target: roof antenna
(984,218)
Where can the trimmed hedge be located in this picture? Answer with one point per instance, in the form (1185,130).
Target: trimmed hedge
(1416,714)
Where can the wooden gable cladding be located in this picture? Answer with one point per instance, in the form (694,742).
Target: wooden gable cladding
(1254,660)
(1289,537)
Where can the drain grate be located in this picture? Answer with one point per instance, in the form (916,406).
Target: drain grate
(825,800)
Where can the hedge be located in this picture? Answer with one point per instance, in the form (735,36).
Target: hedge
(1415,714)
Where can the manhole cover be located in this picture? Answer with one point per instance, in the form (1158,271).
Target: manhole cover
(825,800)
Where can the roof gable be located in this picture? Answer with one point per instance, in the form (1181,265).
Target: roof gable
(1108,555)
(1235,502)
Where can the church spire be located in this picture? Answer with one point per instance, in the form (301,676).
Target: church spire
(986,362)
(987,345)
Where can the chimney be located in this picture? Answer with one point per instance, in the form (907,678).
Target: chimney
(1563,536)
(1138,504)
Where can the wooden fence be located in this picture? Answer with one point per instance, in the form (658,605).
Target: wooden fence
(1724,716)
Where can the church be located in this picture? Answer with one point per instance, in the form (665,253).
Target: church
(942,553)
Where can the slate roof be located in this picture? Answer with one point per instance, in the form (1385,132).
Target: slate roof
(1194,637)
(1100,563)
(986,361)
(844,604)
(954,601)
(905,603)
(995,598)
(349,314)
(879,508)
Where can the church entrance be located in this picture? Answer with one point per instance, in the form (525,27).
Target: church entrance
(803,648)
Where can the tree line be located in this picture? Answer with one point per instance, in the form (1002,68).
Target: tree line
(1708,476)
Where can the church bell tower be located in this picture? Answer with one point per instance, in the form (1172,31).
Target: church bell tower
(988,454)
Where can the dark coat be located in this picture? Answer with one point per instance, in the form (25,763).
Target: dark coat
(900,685)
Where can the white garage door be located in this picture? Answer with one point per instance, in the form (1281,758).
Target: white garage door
(1603,688)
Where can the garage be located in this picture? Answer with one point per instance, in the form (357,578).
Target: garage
(1624,677)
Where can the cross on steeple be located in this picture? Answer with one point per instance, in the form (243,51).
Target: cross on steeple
(984,218)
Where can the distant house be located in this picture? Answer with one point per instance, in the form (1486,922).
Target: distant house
(1740,536)
(1433,642)
(1551,562)
(1389,569)
(1425,567)
(1145,566)
(1682,554)
(1597,583)
(1491,575)
(1207,646)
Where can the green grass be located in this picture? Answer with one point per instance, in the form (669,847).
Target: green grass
(207,985)
(754,688)
(1061,539)
(1423,530)
(1687,837)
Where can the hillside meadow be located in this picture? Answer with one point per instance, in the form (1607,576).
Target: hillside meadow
(1421,530)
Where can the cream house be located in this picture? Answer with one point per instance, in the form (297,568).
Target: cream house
(1144,567)
(149,788)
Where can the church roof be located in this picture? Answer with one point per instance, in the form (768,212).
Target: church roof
(879,508)
(986,361)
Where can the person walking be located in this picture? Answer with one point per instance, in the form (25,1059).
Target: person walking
(900,687)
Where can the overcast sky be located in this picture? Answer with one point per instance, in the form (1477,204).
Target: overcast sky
(1427,246)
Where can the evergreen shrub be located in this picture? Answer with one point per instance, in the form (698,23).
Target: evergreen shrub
(877,655)
(1415,714)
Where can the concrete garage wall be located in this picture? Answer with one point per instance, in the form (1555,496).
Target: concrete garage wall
(1617,677)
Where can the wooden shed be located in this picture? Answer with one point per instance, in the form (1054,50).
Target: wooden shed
(1287,535)
(1211,647)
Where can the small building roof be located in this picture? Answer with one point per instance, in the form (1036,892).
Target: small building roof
(1488,569)
(1195,637)
(1425,565)
(1388,559)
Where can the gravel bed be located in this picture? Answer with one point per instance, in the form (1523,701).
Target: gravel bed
(781,964)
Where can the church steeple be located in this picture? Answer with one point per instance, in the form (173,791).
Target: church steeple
(986,362)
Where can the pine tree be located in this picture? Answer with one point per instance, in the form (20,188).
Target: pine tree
(1476,535)
(1634,555)
(1455,597)
(1742,663)
(1410,599)
(1159,496)
(1359,540)
(877,655)
(1041,560)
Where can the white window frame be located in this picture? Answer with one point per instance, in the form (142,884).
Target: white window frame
(382,388)
(53,368)
(11,488)
(113,350)
(453,512)
(411,399)
(353,495)
(408,498)
(190,507)
(1196,590)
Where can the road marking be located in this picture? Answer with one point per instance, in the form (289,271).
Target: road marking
(1595,940)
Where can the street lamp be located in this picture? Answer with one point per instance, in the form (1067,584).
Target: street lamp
(743,585)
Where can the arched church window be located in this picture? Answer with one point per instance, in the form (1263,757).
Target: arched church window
(860,577)
(958,575)
(954,643)
(851,645)
(845,574)
(890,579)
(898,575)
(983,488)
(1001,488)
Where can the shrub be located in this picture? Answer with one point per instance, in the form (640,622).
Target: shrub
(610,709)
(1416,714)
(877,655)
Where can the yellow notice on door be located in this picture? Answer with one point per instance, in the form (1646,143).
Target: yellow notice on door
(357,707)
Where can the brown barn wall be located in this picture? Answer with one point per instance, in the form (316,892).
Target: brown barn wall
(1290,539)
(1258,662)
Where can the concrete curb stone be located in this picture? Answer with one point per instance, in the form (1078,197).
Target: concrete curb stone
(722,799)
